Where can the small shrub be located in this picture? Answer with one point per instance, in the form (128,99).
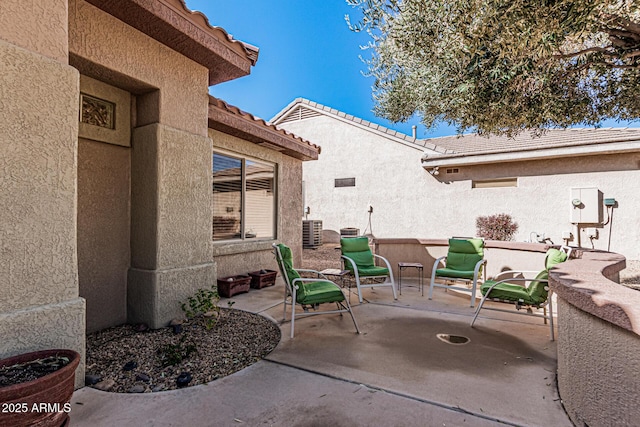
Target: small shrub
(203,303)
(172,354)
(496,227)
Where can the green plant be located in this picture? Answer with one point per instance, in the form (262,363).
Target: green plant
(203,303)
(172,354)
(496,227)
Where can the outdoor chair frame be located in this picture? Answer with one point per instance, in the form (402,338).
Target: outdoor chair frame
(479,268)
(293,286)
(352,266)
(547,315)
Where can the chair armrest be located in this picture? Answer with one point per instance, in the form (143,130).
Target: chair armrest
(353,265)
(436,263)
(386,261)
(478,265)
(502,273)
(306,270)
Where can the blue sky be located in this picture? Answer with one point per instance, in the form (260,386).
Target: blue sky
(306,50)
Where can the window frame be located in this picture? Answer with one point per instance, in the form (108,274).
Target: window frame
(243,158)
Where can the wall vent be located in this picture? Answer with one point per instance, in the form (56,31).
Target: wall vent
(299,113)
(344,182)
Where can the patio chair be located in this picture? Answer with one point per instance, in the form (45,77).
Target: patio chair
(514,290)
(464,263)
(360,261)
(309,293)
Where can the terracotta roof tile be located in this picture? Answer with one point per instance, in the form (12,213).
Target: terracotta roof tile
(290,143)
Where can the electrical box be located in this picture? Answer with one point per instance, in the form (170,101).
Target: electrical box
(586,206)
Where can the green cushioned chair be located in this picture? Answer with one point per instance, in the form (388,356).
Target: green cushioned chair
(464,263)
(514,290)
(308,293)
(360,261)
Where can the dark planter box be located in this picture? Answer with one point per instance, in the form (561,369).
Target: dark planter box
(237,285)
(263,278)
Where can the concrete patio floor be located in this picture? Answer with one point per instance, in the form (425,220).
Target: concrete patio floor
(396,373)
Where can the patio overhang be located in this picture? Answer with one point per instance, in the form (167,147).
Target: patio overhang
(468,159)
(171,23)
(233,121)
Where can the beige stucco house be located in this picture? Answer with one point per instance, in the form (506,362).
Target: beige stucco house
(435,188)
(110,148)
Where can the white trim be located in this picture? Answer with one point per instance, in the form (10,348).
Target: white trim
(536,154)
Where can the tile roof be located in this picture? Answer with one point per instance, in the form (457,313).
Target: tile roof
(232,120)
(296,110)
(473,144)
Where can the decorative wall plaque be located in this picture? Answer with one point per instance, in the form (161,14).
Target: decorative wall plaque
(97,112)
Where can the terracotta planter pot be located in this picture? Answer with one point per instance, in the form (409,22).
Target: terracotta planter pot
(44,401)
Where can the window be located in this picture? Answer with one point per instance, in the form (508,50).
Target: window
(244,204)
(344,182)
(495,183)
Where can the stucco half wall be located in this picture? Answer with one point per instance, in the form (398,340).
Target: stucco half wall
(598,341)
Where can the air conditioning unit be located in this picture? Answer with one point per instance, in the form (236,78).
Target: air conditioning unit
(311,234)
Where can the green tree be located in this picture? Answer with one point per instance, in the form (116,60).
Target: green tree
(503,66)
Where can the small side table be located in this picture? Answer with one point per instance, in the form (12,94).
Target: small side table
(416,265)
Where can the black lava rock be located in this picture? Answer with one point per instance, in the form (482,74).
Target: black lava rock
(91,379)
(130,366)
(183,379)
(176,329)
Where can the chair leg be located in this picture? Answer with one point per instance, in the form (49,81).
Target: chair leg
(475,316)
(348,307)
(433,280)
(551,317)
(473,292)
(293,310)
(393,285)
(358,287)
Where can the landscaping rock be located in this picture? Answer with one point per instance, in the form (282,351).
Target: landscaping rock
(105,385)
(137,389)
(183,379)
(91,379)
(130,366)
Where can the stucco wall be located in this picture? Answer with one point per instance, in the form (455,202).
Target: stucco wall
(36,25)
(598,341)
(598,368)
(410,202)
(139,64)
(242,257)
(104,172)
(39,303)
(171,222)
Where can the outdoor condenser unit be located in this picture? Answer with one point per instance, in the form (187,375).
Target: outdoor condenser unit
(311,234)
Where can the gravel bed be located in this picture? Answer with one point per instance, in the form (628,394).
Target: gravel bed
(123,360)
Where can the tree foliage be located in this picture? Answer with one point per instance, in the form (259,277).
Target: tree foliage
(503,66)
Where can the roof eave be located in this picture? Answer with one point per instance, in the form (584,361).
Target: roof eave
(538,154)
(171,23)
(260,133)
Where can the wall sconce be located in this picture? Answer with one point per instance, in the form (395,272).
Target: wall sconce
(435,171)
